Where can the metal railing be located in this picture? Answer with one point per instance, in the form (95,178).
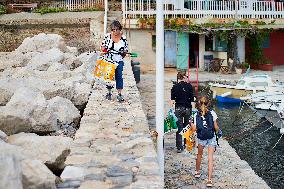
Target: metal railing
(205,8)
(77,4)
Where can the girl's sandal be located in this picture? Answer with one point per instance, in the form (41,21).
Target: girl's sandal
(209,183)
(197,174)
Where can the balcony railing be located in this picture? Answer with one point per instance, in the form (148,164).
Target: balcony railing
(77,4)
(205,8)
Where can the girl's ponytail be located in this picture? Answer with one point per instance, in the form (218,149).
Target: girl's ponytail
(203,105)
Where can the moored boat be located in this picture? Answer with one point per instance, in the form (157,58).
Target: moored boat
(232,93)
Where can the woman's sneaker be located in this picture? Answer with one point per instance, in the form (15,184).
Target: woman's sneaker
(108,96)
(120,98)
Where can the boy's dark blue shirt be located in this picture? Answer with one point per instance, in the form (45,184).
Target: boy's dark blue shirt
(182,94)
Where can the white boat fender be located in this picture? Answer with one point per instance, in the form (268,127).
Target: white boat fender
(226,94)
(282,131)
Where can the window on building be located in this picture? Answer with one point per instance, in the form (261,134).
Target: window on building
(154,42)
(208,43)
(220,45)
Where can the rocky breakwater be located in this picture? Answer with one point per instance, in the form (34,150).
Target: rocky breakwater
(113,147)
(44,85)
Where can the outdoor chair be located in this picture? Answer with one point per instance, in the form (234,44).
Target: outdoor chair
(215,64)
(207,61)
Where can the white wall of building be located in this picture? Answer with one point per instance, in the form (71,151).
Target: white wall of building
(140,42)
(201,51)
(241,48)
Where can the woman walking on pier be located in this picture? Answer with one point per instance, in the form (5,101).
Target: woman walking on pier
(205,123)
(115,47)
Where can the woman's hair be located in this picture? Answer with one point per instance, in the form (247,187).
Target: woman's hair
(181,75)
(116,24)
(203,105)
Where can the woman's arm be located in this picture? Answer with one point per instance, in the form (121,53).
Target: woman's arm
(104,44)
(125,48)
(172,103)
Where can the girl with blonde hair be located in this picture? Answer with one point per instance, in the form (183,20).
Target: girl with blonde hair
(205,124)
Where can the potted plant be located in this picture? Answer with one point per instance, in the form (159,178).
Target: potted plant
(151,22)
(142,22)
(245,66)
(265,64)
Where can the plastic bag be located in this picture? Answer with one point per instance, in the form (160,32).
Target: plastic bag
(189,136)
(170,122)
(104,72)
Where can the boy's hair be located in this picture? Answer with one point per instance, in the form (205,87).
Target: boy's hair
(181,75)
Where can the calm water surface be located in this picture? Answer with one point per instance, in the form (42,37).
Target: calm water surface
(245,136)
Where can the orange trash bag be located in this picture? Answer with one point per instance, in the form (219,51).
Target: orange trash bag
(104,72)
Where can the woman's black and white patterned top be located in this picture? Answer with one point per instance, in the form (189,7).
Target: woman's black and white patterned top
(115,50)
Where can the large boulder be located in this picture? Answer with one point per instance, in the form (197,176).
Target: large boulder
(81,94)
(73,50)
(87,57)
(39,147)
(54,76)
(65,110)
(14,120)
(12,60)
(88,61)
(43,60)
(40,43)
(27,111)
(17,170)
(10,171)
(49,88)
(57,67)
(37,176)
(5,95)
(59,89)
(71,61)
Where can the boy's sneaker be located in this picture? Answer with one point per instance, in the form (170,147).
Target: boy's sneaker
(120,97)
(108,96)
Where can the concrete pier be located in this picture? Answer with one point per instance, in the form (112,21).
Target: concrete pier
(113,147)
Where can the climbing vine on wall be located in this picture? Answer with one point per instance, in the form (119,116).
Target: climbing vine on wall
(256,48)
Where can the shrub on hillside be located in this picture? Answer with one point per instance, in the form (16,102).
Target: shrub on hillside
(3,9)
(45,10)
